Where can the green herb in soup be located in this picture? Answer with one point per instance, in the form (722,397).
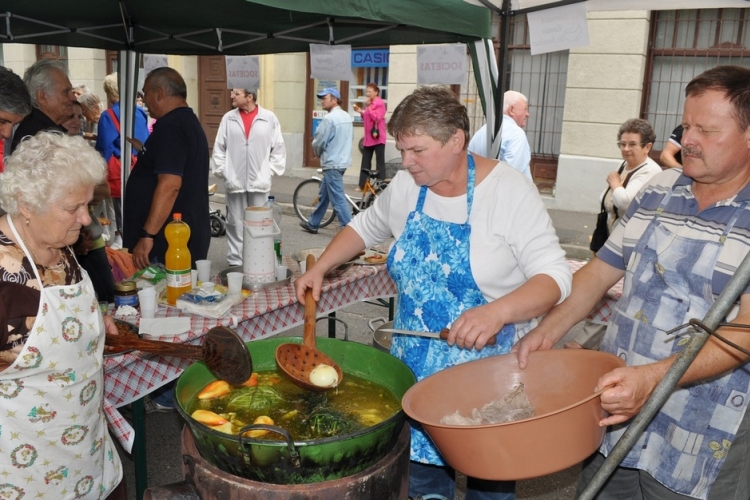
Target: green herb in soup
(355,404)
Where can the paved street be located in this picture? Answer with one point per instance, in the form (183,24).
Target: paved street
(163,442)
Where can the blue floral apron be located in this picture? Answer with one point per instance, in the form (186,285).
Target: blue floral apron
(668,282)
(430,265)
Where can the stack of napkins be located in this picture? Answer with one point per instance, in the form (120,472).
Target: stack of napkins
(211,309)
(164,327)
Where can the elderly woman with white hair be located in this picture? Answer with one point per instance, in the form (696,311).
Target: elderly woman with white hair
(51,328)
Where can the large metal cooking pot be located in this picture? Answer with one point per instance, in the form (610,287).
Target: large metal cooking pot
(295,462)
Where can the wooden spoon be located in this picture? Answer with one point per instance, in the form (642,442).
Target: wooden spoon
(297,361)
(223,351)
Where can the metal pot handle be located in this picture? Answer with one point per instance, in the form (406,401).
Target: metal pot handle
(374,323)
(346,327)
(293,453)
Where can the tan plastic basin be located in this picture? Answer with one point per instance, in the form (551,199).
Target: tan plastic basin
(565,429)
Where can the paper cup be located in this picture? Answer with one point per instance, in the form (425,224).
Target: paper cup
(234,282)
(280,273)
(147,299)
(303,267)
(204,270)
(193,278)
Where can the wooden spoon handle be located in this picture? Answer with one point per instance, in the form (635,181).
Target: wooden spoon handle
(155,346)
(311,307)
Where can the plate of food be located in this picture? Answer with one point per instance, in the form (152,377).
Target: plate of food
(123,328)
(371,258)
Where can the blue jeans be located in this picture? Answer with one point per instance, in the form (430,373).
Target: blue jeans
(432,479)
(331,190)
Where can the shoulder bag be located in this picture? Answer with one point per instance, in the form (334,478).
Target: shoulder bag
(601,232)
(114,165)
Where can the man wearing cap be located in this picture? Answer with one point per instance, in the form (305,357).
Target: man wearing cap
(333,144)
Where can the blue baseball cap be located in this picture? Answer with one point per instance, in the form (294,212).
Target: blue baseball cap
(330,90)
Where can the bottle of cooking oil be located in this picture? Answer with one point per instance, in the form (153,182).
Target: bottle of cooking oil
(177,259)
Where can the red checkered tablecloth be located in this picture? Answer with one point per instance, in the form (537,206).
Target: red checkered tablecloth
(603,309)
(130,376)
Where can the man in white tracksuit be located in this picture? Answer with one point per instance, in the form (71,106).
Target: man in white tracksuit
(249,149)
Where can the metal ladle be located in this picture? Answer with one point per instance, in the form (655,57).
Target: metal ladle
(223,352)
(297,361)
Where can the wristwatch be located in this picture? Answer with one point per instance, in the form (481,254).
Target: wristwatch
(146,234)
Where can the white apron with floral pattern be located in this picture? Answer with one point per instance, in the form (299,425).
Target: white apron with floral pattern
(54,442)
(668,282)
(431,267)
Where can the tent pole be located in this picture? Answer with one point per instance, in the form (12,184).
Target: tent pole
(502,63)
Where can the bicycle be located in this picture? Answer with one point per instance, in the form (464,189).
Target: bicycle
(305,197)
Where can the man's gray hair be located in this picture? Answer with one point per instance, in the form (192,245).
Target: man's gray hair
(14,96)
(38,76)
(90,102)
(169,80)
(512,98)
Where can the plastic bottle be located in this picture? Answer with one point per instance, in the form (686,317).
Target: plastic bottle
(177,259)
(276,214)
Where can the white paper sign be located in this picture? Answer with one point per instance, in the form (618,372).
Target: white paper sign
(559,28)
(442,64)
(153,61)
(243,72)
(331,62)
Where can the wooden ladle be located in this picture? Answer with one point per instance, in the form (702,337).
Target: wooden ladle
(223,351)
(297,361)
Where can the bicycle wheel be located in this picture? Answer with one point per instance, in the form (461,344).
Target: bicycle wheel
(305,200)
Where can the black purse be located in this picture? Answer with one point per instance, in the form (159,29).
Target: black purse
(601,231)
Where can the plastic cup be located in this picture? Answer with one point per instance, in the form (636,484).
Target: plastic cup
(204,270)
(147,300)
(234,282)
(193,278)
(280,273)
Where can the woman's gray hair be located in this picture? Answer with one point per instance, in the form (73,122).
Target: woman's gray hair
(431,110)
(638,126)
(38,76)
(90,102)
(44,168)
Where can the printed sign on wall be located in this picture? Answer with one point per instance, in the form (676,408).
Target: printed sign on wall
(442,64)
(558,28)
(243,72)
(153,61)
(330,62)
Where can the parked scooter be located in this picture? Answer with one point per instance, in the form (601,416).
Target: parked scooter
(218,218)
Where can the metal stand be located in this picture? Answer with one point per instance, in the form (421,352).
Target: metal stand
(664,389)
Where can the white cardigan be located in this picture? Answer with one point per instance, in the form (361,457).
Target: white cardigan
(246,165)
(512,237)
(622,196)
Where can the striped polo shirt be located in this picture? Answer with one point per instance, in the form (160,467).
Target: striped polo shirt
(681,217)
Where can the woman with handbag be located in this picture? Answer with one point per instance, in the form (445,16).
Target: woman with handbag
(373,118)
(635,139)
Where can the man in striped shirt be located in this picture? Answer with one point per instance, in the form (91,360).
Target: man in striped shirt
(678,245)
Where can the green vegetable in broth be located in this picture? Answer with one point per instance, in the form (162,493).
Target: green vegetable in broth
(258,398)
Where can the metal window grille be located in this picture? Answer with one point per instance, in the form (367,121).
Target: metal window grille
(683,44)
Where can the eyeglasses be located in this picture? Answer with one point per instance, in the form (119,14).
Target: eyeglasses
(630,145)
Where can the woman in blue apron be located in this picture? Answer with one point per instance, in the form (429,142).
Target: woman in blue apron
(474,251)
